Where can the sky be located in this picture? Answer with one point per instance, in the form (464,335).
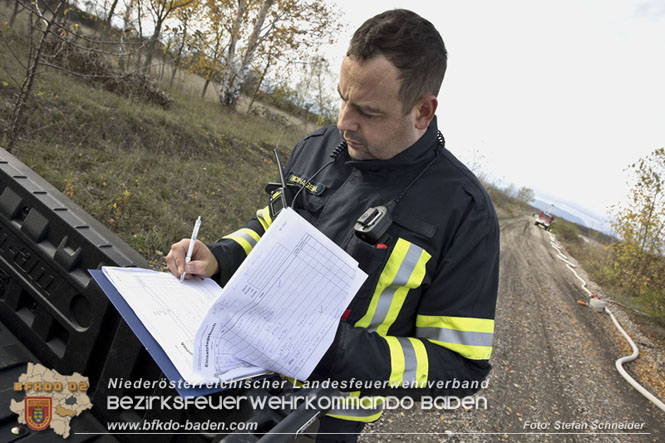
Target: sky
(560,97)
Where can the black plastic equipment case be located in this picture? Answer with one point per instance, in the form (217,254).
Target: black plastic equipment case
(52,312)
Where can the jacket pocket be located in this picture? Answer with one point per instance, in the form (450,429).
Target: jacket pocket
(395,287)
(415,225)
(311,203)
(371,260)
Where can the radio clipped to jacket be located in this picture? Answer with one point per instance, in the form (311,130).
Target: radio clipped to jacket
(373,224)
(277,200)
(277,192)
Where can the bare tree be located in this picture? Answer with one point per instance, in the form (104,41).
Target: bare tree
(160,10)
(181,36)
(237,70)
(278,25)
(43,26)
(51,44)
(107,22)
(525,195)
(18,7)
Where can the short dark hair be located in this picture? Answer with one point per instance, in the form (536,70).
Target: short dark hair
(412,44)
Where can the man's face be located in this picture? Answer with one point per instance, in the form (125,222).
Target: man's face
(371,117)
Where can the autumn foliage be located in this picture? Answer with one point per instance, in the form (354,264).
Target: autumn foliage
(638,259)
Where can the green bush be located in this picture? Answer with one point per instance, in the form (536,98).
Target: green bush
(566,231)
(653,301)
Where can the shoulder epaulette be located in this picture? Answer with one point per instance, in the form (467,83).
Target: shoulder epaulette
(317,133)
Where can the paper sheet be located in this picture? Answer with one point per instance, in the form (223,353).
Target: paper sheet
(171,311)
(281,308)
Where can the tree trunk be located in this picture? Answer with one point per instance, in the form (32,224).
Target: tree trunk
(26,87)
(231,90)
(176,64)
(258,84)
(14,13)
(107,23)
(229,69)
(174,71)
(165,9)
(139,53)
(150,50)
(205,87)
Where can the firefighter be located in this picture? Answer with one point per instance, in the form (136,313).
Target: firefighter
(418,222)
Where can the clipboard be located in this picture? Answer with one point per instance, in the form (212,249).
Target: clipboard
(153,347)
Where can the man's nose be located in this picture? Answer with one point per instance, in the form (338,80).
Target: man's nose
(346,120)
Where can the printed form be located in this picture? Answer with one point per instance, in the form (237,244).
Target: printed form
(279,311)
(171,311)
(281,308)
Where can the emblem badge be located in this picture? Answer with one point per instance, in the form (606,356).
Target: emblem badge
(38,412)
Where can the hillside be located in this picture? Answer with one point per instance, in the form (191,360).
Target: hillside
(143,170)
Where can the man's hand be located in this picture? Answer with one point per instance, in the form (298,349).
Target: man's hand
(203,263)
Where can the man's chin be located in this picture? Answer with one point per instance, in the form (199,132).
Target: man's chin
(359,154)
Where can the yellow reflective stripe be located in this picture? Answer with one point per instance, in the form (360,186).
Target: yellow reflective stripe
(471,324)
(422,370)
(409,362)
(396,361)
(365,409)
(361,418)
(244,237)
(294,383)
(399,296)
(404,270)
(385,279)
(264,217)
(470,352)
(241,241)
(251,233)
(470,337)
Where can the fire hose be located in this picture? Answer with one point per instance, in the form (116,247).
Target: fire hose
(619,363)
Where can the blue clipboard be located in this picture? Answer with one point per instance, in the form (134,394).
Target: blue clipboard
(154,349)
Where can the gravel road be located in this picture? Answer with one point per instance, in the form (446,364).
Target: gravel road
(553,364)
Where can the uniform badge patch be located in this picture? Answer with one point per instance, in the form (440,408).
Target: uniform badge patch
(300,180)
(38,412)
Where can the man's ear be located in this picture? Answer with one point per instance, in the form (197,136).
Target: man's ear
(425,109)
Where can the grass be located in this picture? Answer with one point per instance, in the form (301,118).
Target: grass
(144,171)
(596,259)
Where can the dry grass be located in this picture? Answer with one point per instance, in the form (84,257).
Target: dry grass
(144,171)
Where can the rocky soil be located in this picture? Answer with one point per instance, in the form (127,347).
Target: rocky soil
(554,375)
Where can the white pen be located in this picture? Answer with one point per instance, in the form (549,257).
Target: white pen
(188,258)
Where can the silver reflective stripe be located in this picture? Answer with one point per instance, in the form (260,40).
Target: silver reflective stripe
(410,360)
(359,412)
(401,279)
(467,338)
(259,214)
(248,238)
(355,410)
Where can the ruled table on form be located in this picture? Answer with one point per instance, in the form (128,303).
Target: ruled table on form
(281,308)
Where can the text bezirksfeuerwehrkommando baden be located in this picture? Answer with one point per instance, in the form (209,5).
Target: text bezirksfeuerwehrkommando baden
(291,402)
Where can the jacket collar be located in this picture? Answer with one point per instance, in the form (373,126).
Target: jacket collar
(421,150)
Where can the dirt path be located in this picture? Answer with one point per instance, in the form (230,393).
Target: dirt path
(553,362)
